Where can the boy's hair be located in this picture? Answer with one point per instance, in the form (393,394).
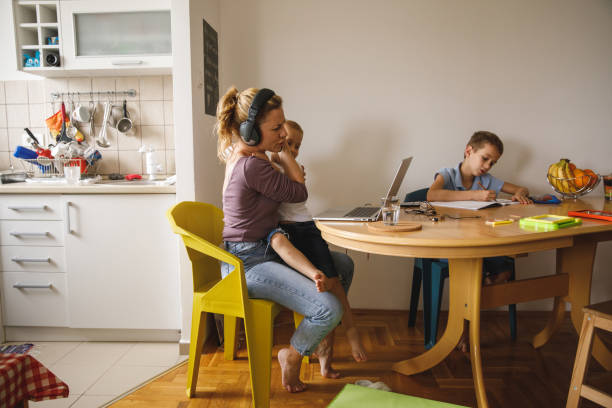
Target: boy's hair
(295,126)
(482,137)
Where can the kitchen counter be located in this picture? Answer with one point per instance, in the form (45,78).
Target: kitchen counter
(122,187)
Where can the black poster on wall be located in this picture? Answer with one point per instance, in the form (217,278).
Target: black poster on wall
(211,69)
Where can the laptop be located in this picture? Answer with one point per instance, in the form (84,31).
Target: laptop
(367,213)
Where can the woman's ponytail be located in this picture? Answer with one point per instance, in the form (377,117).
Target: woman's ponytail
(226,125)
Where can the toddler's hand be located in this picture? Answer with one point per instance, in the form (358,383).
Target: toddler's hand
(484,195)
(275,158)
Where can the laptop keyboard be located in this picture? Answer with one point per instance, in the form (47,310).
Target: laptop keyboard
(362,212)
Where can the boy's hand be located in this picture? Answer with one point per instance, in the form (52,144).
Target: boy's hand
(484,195)
(523,199)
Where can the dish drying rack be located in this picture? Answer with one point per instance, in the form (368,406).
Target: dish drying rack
(45,167)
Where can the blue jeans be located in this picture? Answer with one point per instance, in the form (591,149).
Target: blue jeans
(268,278)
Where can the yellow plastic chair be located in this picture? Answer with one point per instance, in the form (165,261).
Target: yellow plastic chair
(200,225)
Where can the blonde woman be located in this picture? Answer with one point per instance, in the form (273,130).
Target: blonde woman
(251,122)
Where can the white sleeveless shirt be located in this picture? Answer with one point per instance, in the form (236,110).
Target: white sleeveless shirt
(296,212)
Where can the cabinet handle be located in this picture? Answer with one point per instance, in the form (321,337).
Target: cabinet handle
(31,286)
(29,234)
(126,62)
(28,208)
(18,259)
(68,228)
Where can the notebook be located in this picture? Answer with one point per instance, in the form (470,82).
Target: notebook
(367,213)
(473,205)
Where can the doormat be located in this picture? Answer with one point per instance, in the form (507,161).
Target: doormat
(16,348)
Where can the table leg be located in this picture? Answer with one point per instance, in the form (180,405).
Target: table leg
(578,261)
(556,317)
(465,276)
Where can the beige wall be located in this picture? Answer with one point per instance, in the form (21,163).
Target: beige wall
(372,82)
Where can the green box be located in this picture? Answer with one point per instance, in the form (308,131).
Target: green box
(355,396)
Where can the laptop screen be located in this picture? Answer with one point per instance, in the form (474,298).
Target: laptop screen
(397,180)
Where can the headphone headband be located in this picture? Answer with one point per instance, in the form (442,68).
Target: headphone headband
(248,130)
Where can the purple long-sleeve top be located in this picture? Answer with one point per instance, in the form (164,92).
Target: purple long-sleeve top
(252,196)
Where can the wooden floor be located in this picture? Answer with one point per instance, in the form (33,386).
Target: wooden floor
(516,375)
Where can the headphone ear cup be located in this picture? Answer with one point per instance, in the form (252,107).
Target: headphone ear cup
(249,133)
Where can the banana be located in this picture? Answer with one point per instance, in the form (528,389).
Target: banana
(563,185)
(569,175)
(552,175)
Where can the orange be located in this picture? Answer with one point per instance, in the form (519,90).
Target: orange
(572,166)
(580,179)
(591,173)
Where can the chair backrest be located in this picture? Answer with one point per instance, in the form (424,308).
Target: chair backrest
(200,225)
(417,195)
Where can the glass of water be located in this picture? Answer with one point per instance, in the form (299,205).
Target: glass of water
(72,174)
(390,211)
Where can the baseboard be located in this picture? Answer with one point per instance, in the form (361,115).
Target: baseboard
(17,333)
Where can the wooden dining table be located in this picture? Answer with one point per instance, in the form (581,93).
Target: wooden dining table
(465,242)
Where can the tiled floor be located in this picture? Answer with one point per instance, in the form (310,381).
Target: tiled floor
(99,372)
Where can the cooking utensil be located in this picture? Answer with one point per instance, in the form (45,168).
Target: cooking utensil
(36,144)
(102,141)
(62,136)
(92,131)
(125,123)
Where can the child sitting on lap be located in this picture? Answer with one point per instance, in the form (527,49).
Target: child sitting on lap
(300,245)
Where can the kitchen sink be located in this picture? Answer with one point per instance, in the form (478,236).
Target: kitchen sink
(135,182)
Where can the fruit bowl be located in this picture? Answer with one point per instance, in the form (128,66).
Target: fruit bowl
(568,187)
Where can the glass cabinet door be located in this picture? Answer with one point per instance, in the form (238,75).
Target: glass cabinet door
(122,33)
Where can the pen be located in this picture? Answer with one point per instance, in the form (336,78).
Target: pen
(481,186)
(500,222)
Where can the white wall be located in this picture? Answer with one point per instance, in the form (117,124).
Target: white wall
(373,82)
(199,175)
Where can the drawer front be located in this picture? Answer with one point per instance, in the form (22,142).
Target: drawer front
(31,233)
(32,259)
(30,207)
(34,299)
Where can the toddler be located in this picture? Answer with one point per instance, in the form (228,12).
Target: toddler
(299,243)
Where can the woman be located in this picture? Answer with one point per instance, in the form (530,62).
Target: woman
(252,192)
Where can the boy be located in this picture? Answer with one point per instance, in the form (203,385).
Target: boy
(301,246)
(471,180)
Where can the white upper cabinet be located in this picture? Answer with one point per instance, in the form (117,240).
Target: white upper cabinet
(95,37)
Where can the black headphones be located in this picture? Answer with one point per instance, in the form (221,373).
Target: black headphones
(248,130)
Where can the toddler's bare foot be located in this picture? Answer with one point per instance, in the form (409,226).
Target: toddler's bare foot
(321,282)
(463,345)
(501,277)
(290,362)
(354,340)
(324,353)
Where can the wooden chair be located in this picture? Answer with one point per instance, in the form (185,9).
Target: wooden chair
(598,315)
(200,225)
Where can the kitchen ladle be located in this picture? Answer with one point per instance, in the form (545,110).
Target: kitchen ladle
(102,141)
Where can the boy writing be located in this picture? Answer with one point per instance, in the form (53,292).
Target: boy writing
(301,246)
(471,180)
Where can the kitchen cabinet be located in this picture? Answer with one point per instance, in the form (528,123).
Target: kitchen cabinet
(110,37)
(122,262)
(117,34)
(88,261)
(37,35)
(32,263)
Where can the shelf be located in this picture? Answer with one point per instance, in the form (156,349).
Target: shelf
(36,21)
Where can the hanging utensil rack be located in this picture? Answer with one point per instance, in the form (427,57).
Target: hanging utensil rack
(57,95)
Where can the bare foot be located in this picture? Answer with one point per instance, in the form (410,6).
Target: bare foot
(501,277)
(290,362)
(321,282)
(354,340)
(324,353)
(464,343)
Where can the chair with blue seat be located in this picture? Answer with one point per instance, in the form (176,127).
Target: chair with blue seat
(432,273)
(200,225)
